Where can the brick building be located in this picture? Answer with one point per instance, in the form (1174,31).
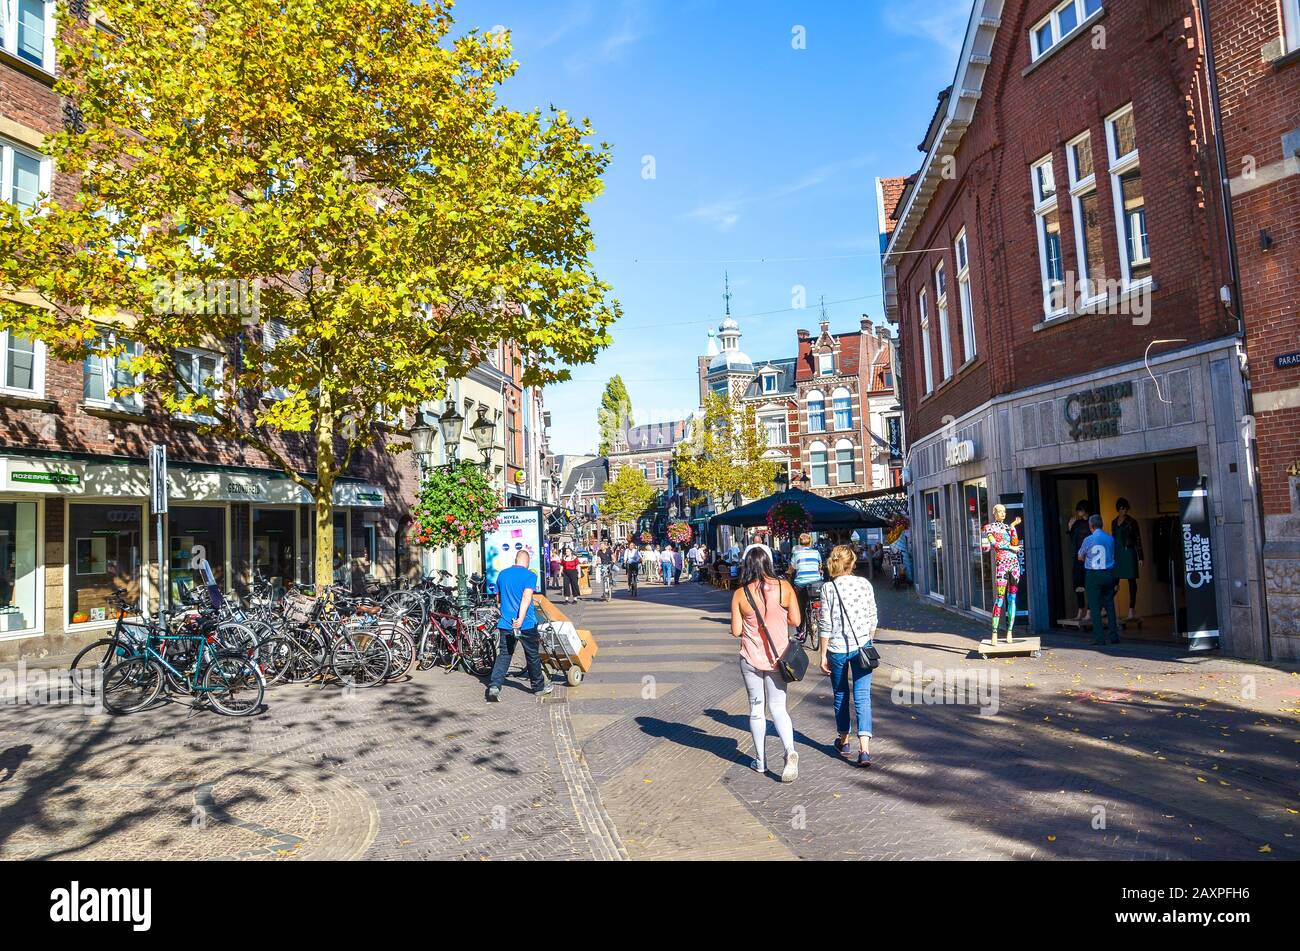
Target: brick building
(1057,268)
(1256,65)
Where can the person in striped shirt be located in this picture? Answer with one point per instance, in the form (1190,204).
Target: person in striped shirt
(805,573)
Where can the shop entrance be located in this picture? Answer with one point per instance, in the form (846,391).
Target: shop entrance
(1148,588)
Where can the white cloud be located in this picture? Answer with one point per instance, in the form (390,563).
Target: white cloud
(629,30)
(725,214)
(943,22)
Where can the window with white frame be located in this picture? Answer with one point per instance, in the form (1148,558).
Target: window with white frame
(27,31)
(774,429)
(826,364)
(845,471)
(842,406)
(819,464)
(1087,219)
(925,341)
(941,304)
(964,299)
(1060,25)
(22,369)
(24,174)
(1047,221)
(1291,24)
(1130,201)
(108,369)
(659,468)
(200,372)
(816,411)
(274,332)
(769,382)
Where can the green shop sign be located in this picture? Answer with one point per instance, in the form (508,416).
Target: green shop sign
(46,478)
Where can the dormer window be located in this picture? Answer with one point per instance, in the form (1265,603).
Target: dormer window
(769,382)
(826,364)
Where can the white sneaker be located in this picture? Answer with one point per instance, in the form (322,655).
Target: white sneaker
(791,771)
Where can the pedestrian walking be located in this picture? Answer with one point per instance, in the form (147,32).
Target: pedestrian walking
(762,610)
(678,562)
(848,622)
(1098,556)
(517,625)
(666,564)
(555,568)
(806,573)
(569,565)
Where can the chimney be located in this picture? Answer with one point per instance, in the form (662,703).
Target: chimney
(865,324)
(803,334)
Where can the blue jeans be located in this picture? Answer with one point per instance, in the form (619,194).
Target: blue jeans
(506,651)
(667,572)
(846,667)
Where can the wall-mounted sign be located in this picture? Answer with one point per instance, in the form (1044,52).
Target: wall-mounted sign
(1288,360)
(243,490)
(1096,413)
(46,478)
(958,452)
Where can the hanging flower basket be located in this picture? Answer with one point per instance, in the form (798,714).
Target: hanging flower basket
(646,538)
(788,519)
(679,532)
(455,507)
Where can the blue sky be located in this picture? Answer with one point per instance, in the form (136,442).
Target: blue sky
(765,159)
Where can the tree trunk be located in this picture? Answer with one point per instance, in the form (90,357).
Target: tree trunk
(324,495)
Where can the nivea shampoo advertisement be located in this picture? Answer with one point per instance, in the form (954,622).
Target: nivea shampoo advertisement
(519,530)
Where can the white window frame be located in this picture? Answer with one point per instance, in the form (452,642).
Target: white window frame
(130,403)
(838,394)
(1120,165)
(814,449)
(843,445)
(9,33)
(7,150)
(271,337)
(815,396)
(218,377)
(1081,15)
(779,420)
(941,305)
(769,383)
(37,390)
(961,248)
(1045,203)
(659,469)
(925,341)
(1291,25)
(826,363)
(1082,187)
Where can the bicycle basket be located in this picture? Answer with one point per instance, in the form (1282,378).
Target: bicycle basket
(299,609)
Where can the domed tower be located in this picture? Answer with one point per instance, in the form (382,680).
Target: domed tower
(731,371)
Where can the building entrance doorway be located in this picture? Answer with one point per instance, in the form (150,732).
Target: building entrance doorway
(1148,547)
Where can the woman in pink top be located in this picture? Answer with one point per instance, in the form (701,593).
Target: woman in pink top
(775,602)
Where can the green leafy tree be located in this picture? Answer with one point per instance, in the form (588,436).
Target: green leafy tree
(627,496)
(342,170)
(614,415)
(724,453)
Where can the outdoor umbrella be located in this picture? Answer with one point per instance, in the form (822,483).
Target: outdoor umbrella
(825,514)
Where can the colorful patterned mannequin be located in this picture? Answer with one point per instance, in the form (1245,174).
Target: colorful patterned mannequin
(1004,542)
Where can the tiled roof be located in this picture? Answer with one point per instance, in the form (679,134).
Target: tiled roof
(656,435)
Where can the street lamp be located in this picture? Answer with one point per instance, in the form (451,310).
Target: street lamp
(805,481)
(452,425)
(782,481)
(484,432)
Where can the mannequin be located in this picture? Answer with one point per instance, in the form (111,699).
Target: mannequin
(1078,530)
(1127,533)
(1003,541)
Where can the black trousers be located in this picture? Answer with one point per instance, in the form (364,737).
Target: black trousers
(571,582)
(532,645)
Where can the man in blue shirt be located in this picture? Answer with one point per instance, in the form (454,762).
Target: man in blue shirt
(1098,556)
(518,624)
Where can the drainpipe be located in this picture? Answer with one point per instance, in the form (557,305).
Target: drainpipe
(1230,228)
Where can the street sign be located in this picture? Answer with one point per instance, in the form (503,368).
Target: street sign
(1288,360)
(158,479)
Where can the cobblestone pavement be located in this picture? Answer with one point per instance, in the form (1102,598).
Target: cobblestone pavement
(1130,752)
(1135,751)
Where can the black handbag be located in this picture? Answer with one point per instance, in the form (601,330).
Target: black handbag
(793,664)
(868,654)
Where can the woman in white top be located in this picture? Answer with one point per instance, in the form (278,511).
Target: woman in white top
(848,623)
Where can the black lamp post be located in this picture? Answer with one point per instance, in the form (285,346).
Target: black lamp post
(782,481)
(484,432)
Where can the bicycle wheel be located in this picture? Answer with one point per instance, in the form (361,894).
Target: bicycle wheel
(405,604)
(400,646)
(360,660)
(480,655)
(236,638)
(89,665)
(814,635)
(233,685)
(275,657)
(132,685)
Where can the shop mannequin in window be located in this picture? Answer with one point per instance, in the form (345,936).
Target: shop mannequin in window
(1003,541)
(1078,530)
(1128,552)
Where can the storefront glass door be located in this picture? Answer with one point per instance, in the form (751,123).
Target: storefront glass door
(934,544)
(17,567)
(975,513)
(275,545)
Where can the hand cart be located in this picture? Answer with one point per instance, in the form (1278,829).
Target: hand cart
(556,656)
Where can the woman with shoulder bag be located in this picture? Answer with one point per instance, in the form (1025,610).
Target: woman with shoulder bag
(762,610)
(848,627)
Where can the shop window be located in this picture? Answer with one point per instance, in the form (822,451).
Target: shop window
(105,554)
(17,567)
(195,533)
(274,548)
(975,512)
(934,544)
